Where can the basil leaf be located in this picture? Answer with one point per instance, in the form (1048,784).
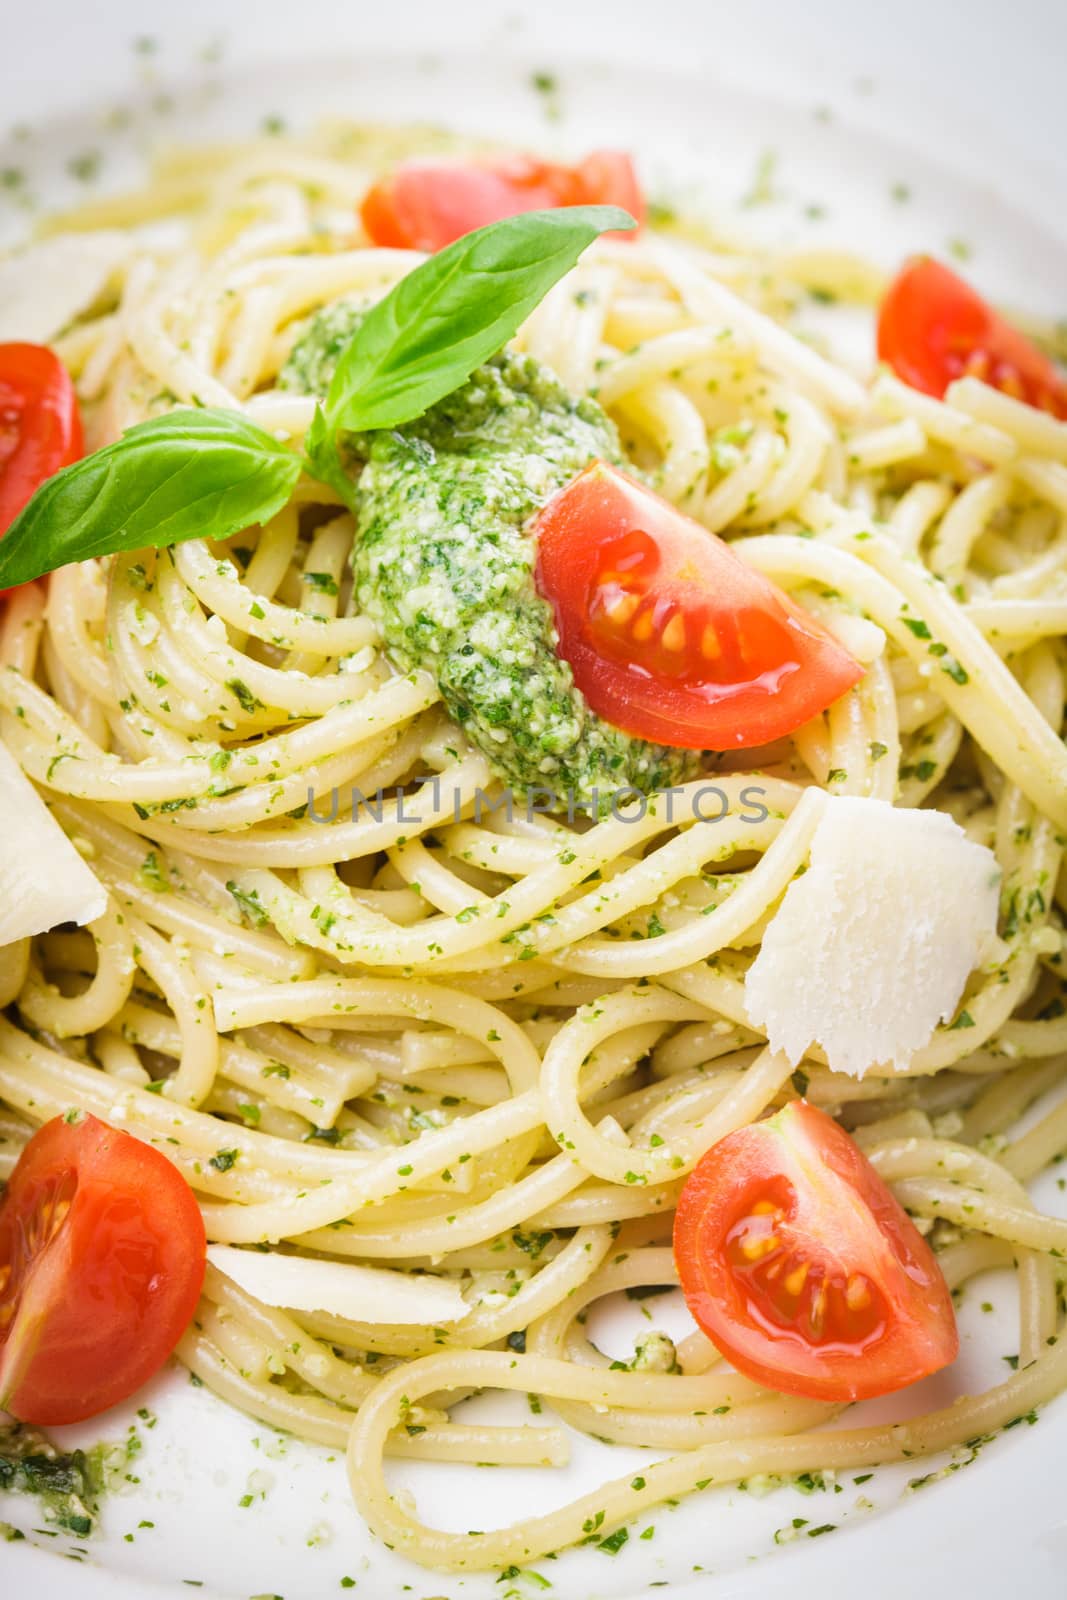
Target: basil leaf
(204,474)
(322,460)
(448,316)
(192,474)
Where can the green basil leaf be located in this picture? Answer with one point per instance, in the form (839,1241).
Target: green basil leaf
(323,461)
(192,474)
(452,313)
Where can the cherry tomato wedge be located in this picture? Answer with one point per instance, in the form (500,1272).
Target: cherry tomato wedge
(933,328)
(801,1267)
(101,1264)
(670,635)
(424,205)
(40,426)
(608,178)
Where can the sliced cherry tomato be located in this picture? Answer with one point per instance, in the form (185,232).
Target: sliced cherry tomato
(803,1269)
(608,179)
(40,425)
(670,635)
(934,328)
(101,1264)
(424,205)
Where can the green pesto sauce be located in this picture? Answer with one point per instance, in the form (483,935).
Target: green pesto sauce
(314,356)
(444,563)
(68,1486)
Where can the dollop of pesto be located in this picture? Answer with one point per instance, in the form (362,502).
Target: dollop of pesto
(315,354)
(444,562)
(68,1485)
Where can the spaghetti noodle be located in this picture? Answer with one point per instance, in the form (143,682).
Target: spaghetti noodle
(488,1047)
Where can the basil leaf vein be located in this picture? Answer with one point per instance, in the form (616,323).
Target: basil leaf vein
(191,474)
(454,311)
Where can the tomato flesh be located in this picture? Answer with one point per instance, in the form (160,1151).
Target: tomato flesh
(102,1253)
(608,178)
(801,1267)
(425,205)
(40,425)
(934,328)
(670,635)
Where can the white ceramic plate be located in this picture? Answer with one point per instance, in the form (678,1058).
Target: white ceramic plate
(855,107)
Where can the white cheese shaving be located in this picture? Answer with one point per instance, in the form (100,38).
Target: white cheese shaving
(47,285)
(43,879)
(359,1294)
(872,947)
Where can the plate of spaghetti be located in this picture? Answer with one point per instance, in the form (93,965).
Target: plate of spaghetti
(533,644)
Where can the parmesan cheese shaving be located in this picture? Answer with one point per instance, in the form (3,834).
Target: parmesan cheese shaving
(47,285)
(43,879)
(872,947)
(359,1294)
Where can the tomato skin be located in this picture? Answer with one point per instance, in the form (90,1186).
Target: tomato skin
(933,328)
(425,205)
(40,425)
(105,1247)
(709,654)
(608,179)
(787,1210)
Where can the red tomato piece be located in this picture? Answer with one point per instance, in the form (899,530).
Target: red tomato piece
(102,1255)
(670,635)
(608,179)
(425,205)
(933,328)
(802,1268)
(40,425)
